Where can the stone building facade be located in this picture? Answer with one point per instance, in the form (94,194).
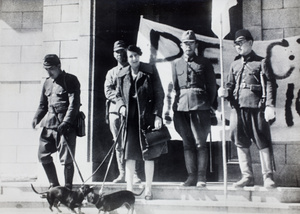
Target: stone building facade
(32,28)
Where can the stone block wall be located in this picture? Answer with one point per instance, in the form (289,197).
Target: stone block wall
(272,19)
(21,26)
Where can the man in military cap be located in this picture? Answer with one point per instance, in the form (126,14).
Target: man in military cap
(110,84)
(195,86)
(251,90)
(59,106)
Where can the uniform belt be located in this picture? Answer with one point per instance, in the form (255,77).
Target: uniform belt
(57,111)
(113,113)
(252,87)
(244,85)
(190,86)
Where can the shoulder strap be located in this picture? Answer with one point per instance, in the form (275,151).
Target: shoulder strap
(262,81)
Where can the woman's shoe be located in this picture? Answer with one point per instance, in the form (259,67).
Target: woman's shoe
(149,196)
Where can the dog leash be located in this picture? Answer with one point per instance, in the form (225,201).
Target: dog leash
(111,150)
(108,166)
(69,149)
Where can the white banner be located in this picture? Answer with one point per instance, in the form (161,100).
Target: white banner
(220,17)
(161,44)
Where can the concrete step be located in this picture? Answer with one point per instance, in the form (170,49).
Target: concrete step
(173,191)
(172,198)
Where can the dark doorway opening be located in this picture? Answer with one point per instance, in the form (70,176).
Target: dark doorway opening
(119,19)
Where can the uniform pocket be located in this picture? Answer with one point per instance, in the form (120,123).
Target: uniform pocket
(60,92)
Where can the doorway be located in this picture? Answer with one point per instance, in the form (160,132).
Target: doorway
(119,19)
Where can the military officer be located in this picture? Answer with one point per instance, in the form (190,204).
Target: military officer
(195,86)
(59,106)
(251,90)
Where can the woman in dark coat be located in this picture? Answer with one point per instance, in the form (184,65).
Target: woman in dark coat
(140,101)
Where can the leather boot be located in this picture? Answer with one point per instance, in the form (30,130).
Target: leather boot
(51,174)
(121,167)
(69,174)
(191,167)
(245,167)
(202,158)
(266,168)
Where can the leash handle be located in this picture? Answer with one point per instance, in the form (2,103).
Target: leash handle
(69,149)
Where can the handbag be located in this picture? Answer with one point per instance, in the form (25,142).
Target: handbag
(156,142)
(156,136)
(80,124)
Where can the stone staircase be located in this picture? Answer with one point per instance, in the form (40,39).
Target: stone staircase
(169,198)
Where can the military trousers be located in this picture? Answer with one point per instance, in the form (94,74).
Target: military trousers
(52,141)
(248,125)
(193,127)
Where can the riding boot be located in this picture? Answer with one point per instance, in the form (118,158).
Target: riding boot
(266,167)
(121,167)
(202,158)
(191,167)
(51,174)
(69,173)
(245,163)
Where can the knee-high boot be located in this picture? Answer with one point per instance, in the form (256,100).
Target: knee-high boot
(245,167)
(202,158)
(191,167)
(266,167)
(121,167)
(51,174)
(69,174)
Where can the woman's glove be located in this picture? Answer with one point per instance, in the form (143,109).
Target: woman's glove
(157,122)
(122,111)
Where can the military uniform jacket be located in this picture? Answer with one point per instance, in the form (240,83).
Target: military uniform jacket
(110,85)
(63,94)
(245,82)
(194,84)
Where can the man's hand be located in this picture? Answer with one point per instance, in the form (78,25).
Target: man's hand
(63,128)
(222,92)
(269,113)
(34,123)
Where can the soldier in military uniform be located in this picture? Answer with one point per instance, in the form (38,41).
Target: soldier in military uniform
(251,90)
(59,104)
(195,86)
(110,84)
